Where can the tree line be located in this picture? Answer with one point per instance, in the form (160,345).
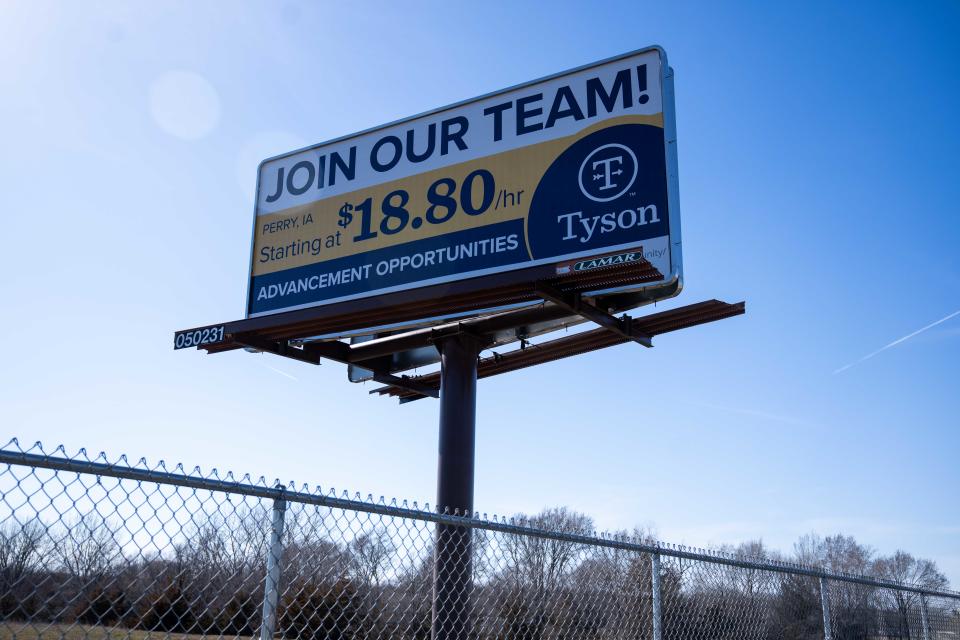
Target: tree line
(355,576)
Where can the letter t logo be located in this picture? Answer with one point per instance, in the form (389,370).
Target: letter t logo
(607,171)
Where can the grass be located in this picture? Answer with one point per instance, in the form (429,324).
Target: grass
(40,631)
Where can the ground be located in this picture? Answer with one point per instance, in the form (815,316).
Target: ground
(21,631)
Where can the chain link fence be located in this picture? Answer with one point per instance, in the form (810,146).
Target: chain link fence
(94,549)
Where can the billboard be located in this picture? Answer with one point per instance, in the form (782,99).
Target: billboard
(576,171)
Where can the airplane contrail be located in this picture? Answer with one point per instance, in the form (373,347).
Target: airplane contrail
(896,342)
(283,373)
(751,412)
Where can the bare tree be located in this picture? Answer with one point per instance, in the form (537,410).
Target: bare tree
(309,552)
(539,571)
(837,553)
(748,582)
(853,606)
(222,560)
(88,547)
(615,585)
(542,563)
(21,549)
(229,548)
(371,555)
(903,568)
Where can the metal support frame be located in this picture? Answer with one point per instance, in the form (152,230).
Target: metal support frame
(378,355)
(924,620)
(655,590)
(825,605)
(574,302)
(271,588)
(453,566)
(338,352)
(571,345)
(406,382)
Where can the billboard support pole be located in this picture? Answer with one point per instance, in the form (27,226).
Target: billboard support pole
(453,562)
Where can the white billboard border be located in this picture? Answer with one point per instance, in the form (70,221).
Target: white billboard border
(672,285)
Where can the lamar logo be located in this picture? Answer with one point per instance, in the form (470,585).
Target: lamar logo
(608,261)
(608,172)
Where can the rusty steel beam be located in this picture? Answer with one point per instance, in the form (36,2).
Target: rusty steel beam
(652,325)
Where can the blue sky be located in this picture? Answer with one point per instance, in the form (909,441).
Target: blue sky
(818,180)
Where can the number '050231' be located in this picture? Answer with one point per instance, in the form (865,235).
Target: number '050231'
(197,337)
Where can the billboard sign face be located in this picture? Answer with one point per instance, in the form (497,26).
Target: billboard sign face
(576,167)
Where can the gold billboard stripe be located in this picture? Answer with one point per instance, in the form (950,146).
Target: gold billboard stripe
(519,170)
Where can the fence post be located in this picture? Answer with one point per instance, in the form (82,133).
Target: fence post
(825,604)
(655,588)
(271,589)
(924,620)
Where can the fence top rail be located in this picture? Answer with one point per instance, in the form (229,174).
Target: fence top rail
(59,460)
